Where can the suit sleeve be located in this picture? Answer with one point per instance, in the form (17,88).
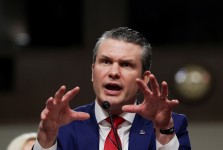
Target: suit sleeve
(180,124)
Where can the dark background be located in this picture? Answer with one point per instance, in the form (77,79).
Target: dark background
(60,36)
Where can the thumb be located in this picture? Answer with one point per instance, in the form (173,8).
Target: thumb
(131,108)
(80,116)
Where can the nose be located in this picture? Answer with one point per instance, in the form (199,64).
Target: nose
(114,72)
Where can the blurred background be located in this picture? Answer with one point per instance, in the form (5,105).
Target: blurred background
(48,43)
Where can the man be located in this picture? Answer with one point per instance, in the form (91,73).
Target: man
(120,70)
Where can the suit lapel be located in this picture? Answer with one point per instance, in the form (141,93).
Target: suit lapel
(141,134)
(90,136)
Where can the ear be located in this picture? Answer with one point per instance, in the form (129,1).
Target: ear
(92,70)
(145,76)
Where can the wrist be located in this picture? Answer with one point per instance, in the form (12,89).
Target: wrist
(46,140)
(167,126)
(165,134)
(167,131)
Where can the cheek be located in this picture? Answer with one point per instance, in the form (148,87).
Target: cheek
(131,77)
(131,83)
(100,72)
(97,76)
(133,88)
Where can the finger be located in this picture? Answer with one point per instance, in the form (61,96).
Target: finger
(143,87)
(154,85)
(51,109)
(79,115)
(164,91)
(59,94)
(49,103)
(131,108)
(43,115)
(173,103)
(70,94)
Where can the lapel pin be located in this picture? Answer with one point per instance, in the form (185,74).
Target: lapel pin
(142,132)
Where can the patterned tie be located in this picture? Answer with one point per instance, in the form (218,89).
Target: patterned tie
(110,142)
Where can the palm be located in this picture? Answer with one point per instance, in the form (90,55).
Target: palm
(154,109)
(155,105)
(58,112)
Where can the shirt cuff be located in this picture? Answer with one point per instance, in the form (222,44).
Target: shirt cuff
(173,144)
(37,146)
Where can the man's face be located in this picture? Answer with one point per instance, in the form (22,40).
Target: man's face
(114,72)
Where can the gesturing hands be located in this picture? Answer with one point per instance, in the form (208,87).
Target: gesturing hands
(155,105)
(57,113)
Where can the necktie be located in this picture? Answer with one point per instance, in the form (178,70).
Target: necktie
(110,142)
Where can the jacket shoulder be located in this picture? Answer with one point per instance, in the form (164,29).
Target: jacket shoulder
(85,108)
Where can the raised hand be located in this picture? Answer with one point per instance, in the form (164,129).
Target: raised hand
(57,113)
(155,105)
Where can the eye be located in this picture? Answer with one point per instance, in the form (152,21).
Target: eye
(126,65)
(105,61)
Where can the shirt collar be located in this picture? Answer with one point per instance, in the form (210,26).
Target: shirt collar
(101,114)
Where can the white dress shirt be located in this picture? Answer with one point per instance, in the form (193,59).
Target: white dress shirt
(123,132)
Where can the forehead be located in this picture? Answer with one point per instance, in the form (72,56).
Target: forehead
(117,48)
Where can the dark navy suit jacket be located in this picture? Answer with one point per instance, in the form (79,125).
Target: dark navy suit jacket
(84,135)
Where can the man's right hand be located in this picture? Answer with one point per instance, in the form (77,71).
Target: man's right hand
(57,113)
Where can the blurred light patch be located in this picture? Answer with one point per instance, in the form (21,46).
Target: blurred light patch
(22,39)
(193,83)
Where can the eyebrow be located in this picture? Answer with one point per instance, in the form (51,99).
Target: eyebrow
(122,59)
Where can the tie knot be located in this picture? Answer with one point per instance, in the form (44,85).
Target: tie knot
(117,120)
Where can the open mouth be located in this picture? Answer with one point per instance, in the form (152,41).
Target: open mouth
(113,87)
